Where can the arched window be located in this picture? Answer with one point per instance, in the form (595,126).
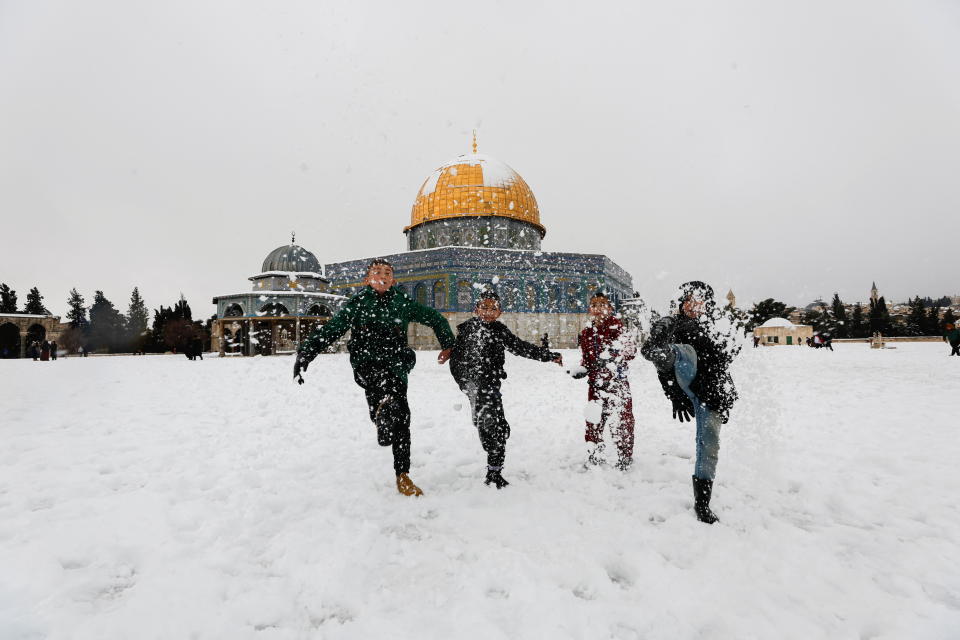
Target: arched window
(531,291)
(319,310)
(509,296)
(36,333)
(553,298)
(574,303)
(9,340)
(273,309)
(439,294)
(420,293)
(233,310)
(464,295)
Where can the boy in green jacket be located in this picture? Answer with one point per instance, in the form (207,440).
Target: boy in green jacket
(951,334)
(377,318)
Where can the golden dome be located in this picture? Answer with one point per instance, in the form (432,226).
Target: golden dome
(475,185)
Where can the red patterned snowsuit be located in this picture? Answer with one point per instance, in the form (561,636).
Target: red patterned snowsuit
(607,350)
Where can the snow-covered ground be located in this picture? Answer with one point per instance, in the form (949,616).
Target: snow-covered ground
(153,497)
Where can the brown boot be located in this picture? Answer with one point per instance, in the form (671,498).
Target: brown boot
(406,487)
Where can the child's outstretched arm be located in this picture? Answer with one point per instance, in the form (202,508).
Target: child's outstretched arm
(321,339)
(432,318)
(524,349)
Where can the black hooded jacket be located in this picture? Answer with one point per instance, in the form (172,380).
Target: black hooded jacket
(478,353)
(713,384)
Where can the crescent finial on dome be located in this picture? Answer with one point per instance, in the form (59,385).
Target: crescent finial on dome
(474,141)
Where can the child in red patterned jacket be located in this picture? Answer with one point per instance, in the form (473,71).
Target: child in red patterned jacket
(607,349)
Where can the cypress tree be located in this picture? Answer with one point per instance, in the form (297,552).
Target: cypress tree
(8,299)
(841,330)
(181,310)
(78,313)
(917,318)
(106,323)
(880,317)
(160,318)
(137,319)
(35,303)
(931,325)
(857,328)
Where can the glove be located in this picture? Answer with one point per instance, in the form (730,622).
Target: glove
(298,367)
(682,411)
(577,372)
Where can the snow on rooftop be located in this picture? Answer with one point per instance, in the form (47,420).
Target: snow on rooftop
(495,173)
(778,322)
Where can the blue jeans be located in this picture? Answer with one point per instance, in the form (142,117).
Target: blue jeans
(708,422)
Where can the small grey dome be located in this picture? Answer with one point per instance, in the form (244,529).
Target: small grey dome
(291,257)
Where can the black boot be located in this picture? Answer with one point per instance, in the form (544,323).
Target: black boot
(494,477)
(701,495)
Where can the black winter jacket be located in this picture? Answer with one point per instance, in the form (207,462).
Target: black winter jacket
(478,353)
(713,384)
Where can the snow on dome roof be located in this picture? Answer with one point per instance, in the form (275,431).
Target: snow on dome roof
(777,322)
(291,258)
(475,184)
(493,172)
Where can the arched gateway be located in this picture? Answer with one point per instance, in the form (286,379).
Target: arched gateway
(19,330)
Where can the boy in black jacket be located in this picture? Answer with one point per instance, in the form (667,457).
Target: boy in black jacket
(692,351)
(477,365)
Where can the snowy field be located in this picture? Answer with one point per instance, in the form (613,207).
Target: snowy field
(154,497)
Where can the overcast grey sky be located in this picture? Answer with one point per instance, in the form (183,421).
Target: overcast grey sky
(785,149)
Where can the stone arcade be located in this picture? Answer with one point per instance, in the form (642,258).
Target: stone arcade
(18,330)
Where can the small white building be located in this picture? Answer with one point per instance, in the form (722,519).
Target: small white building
(780,331)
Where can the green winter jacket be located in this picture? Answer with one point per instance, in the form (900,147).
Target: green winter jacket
(378,326)
(952,336)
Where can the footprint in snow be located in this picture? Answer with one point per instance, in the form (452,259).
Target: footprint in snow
(619,577)
(498,593)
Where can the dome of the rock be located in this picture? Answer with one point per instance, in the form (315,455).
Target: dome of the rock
(475,185)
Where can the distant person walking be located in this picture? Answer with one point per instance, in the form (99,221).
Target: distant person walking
(45,351)
(951,335)
(53,350)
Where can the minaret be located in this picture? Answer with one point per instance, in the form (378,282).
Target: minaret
(731,299)
(874,294)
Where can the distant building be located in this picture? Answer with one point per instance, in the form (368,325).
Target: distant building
(731,299)
(18,330)
(290,296)
(780,331)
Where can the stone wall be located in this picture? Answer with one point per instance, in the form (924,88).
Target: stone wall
(895,339)
(563,328)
